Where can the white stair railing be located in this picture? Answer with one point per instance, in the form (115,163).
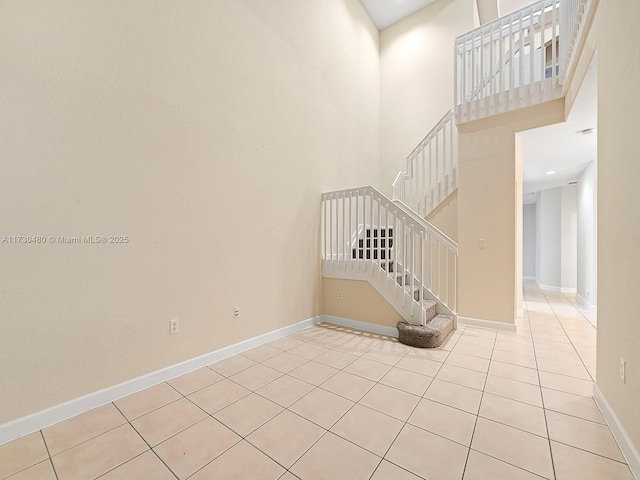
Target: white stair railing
(431,174)
(573,18)
(509,63)
(367,236)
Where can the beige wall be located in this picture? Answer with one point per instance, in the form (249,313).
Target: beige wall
(618,207)
(445,217)
(416,78)
(488,205)
(360,301)
(205,133)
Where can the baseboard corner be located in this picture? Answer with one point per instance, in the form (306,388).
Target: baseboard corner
(360,325)
(479,322)
(627,447)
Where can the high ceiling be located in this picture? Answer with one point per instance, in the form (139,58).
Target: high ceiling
(387,12)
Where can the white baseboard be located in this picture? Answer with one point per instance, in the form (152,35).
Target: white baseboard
(549,287)
(568,290)
(478,322)
(585,303)
(358,325)
(39,420)
(624,442)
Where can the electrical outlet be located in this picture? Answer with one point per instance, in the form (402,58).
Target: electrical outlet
(623,370)
(483,243)
(236,312)
(173,326)
(339,295)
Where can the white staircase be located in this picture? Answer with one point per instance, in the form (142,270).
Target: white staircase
(516,61)
(412,264)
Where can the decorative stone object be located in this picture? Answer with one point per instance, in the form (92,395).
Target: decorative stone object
(430,335)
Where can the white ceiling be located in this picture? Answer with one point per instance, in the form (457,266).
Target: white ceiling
(562,147)
(387,12)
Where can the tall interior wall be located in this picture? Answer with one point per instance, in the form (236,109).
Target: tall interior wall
(618,204)
(416,78)
(205,135)
(488,197)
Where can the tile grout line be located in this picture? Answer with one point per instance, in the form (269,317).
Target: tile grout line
(544,410)
(475,424)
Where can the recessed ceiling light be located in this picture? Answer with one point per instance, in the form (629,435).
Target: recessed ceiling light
(551,172)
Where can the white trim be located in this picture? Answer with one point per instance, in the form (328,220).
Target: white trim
(44,418)
(568,290)
(478,322)
(358,325)
(520,313)
(549,287)
(583,301)
(619,433)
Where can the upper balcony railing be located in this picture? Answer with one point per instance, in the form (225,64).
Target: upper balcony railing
(573,20)
(509,63)
(518,60)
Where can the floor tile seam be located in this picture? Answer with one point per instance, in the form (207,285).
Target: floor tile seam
(467,368)
(404,425)
(513,379)
(579,311)
(149,448)
(210,366)
(590,379)
(130,460)
(381,457)
(404,468)
(514,399)
(264,385)
(307,450)
(461,384)
(88,439)
(475,424)
(509,463)
(246,439)
(582,449)
(289,371)
(206,414)
(443,436)
(310,420)
(541,357)
(564,391)
(191,393)
(513,426)
(36,463)
(544,412)
(565,332)
(603,423)
(210,461)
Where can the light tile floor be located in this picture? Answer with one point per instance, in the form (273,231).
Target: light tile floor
(333,403)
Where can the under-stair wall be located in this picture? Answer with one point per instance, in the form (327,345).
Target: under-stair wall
(367,236)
